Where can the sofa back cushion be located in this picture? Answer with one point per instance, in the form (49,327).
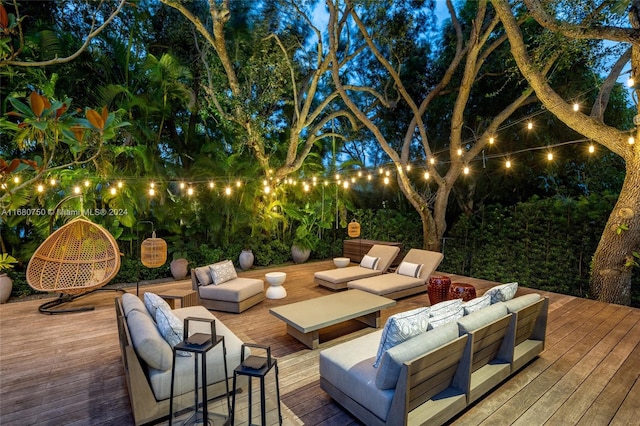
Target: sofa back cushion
(502,292)
(203,275)
(518,303)
(222,272)
(476,304)
(445,312)
(482,317)
(131,302)
(393,359)
(147,341)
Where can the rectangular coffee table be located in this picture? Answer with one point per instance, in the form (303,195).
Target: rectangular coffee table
(305,319)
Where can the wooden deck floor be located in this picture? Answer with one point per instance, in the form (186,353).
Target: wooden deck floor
(66,369)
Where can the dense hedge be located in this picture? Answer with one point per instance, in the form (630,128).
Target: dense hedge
(542,243)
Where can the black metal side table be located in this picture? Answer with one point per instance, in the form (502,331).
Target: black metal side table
(199,344)
(256,366)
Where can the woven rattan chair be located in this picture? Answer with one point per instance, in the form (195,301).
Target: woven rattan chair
(78,258)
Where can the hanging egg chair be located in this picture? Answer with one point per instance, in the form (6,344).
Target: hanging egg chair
(78,258)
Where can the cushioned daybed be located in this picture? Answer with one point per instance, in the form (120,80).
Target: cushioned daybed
(220,289)
(409,278)
(375,262)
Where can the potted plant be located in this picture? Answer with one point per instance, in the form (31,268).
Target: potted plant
(304,241)
(6,283)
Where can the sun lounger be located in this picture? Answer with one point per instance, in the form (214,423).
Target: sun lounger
(405,281)
(336,279)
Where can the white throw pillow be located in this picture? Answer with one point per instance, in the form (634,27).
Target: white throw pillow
(171,328)
(222,272)
(502,293)
(476,304)
(152,302)
(444,312)
(410,269)
(369,262)
(401,327)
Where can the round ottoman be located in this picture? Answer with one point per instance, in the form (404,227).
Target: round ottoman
(462,291)
(438,289)
(275,280)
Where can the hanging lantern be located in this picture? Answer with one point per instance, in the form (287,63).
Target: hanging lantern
(153,252)
(353,229)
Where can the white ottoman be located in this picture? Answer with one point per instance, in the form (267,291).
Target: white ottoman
(275,280)
(341,262)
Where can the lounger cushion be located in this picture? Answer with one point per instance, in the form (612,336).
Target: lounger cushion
(402,327)
(147,341)
(480,318)
(349,367)
(152,301)
(476,304)
(343,275)
(410,269)
(393,359)
(445,312)
(235,290)
(386,283)
(503,292)
(518,303)
(369,262)
(204,275)
(131,302)
(222,272)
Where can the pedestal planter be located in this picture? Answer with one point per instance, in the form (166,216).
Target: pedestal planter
(179,268)
(246,259)
(6,285)
(300,255)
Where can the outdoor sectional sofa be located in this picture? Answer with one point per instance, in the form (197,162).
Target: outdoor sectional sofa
(147,359)
(436,374)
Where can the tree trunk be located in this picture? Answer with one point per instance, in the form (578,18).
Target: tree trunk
(610,278)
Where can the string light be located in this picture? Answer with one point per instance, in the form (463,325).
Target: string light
(491,140)
(459,151)
(508,164)
(306,187)
(369,177)
(87,183)
(52,182)
(40,188)
(119,184)
(182,185)
(530,125)
(426,175)
(466,170)
(190,191)
(550,156)
(631,82)
(213,185)
(432,160)
(576,107)
(267,189)
(113,191)
(592,149)
(227,190)
(152,191)
(345,185)
(631,140)
(238,184)
(386,180)
(16,179)
(76,190)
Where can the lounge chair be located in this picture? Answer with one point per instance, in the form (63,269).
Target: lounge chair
(336,279)
(402,283)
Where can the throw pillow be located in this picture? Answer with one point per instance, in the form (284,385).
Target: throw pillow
(476,304)
(152,302)
(203,275)
(502,293)
(444,312)
(171,328)
(369,262)
(410,269)
(401,327)
(222,272)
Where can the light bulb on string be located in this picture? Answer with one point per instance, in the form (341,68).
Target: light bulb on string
(16,179)
(507,164)
(306,187)
(345,185)
(386,180)
(491,140)
(550,156)
(152,191)
(239,184)
(380,170)
(182,185)
(631,82)
(426,175)
(119,184)
(576,107)
(227,190)
(631,140)
(52,182)
(267,189)
(369,177)
(360,174)
(387,173)
(190,191)
(76,190)
(592,149)
(466,170)
(353,180)
(113,191)
(40,188)
(432,160)
(530,125)
(87,183)
(408,167)
(212,185)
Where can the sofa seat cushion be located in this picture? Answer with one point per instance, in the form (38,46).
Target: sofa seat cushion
(518,303)
(236,290)
(148,342)
(394,358)
(161,380)
(386,283)
(343,275)
(349,367)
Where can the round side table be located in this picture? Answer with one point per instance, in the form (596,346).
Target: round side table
(275,280)
(438,289)
(341,262)
(462,291)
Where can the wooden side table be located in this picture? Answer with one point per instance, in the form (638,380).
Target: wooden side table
(186,298)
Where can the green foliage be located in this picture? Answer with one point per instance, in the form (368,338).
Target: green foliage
(542,243)
(7,261)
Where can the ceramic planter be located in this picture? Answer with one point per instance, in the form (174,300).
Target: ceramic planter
(6,285)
